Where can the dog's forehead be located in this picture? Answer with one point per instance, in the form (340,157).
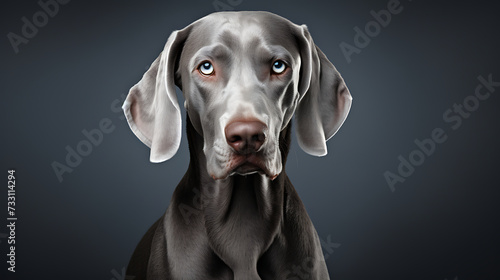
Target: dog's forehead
(243,29)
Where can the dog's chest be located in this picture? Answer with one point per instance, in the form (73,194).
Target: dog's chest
(238,223)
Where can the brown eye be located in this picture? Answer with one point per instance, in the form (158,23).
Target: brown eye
(278,67)
(206,68)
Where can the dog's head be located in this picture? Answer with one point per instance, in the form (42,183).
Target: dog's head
(243,76)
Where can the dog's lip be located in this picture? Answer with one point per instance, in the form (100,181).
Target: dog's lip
(246,165)
(246,168)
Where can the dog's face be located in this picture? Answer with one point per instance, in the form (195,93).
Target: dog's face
(243,76)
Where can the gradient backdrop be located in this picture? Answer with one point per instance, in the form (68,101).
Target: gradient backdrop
(442,222)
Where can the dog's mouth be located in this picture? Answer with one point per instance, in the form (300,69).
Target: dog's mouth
(248,164)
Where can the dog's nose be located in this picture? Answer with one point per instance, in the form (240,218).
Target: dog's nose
(245,136)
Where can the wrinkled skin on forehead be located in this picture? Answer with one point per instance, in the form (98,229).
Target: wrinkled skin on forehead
(242,87)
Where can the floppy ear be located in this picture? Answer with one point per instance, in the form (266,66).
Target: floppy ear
(325,100)
(151,107)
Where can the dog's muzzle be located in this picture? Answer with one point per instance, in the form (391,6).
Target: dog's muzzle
(247,139)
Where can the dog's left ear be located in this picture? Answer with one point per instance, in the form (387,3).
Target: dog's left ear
(325,100)
(151,107)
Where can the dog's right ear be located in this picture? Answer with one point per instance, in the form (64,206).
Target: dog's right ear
(151,107)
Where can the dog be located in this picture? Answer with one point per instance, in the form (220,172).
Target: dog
(235,213)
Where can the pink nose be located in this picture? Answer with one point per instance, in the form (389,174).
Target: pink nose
(245,136)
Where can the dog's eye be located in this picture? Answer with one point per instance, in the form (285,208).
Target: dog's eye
(278,67)
(206,68)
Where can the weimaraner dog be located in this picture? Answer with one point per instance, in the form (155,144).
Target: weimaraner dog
(235,214)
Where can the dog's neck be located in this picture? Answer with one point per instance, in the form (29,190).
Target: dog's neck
(242,214)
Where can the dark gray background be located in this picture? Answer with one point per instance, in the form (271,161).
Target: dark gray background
(441,223)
